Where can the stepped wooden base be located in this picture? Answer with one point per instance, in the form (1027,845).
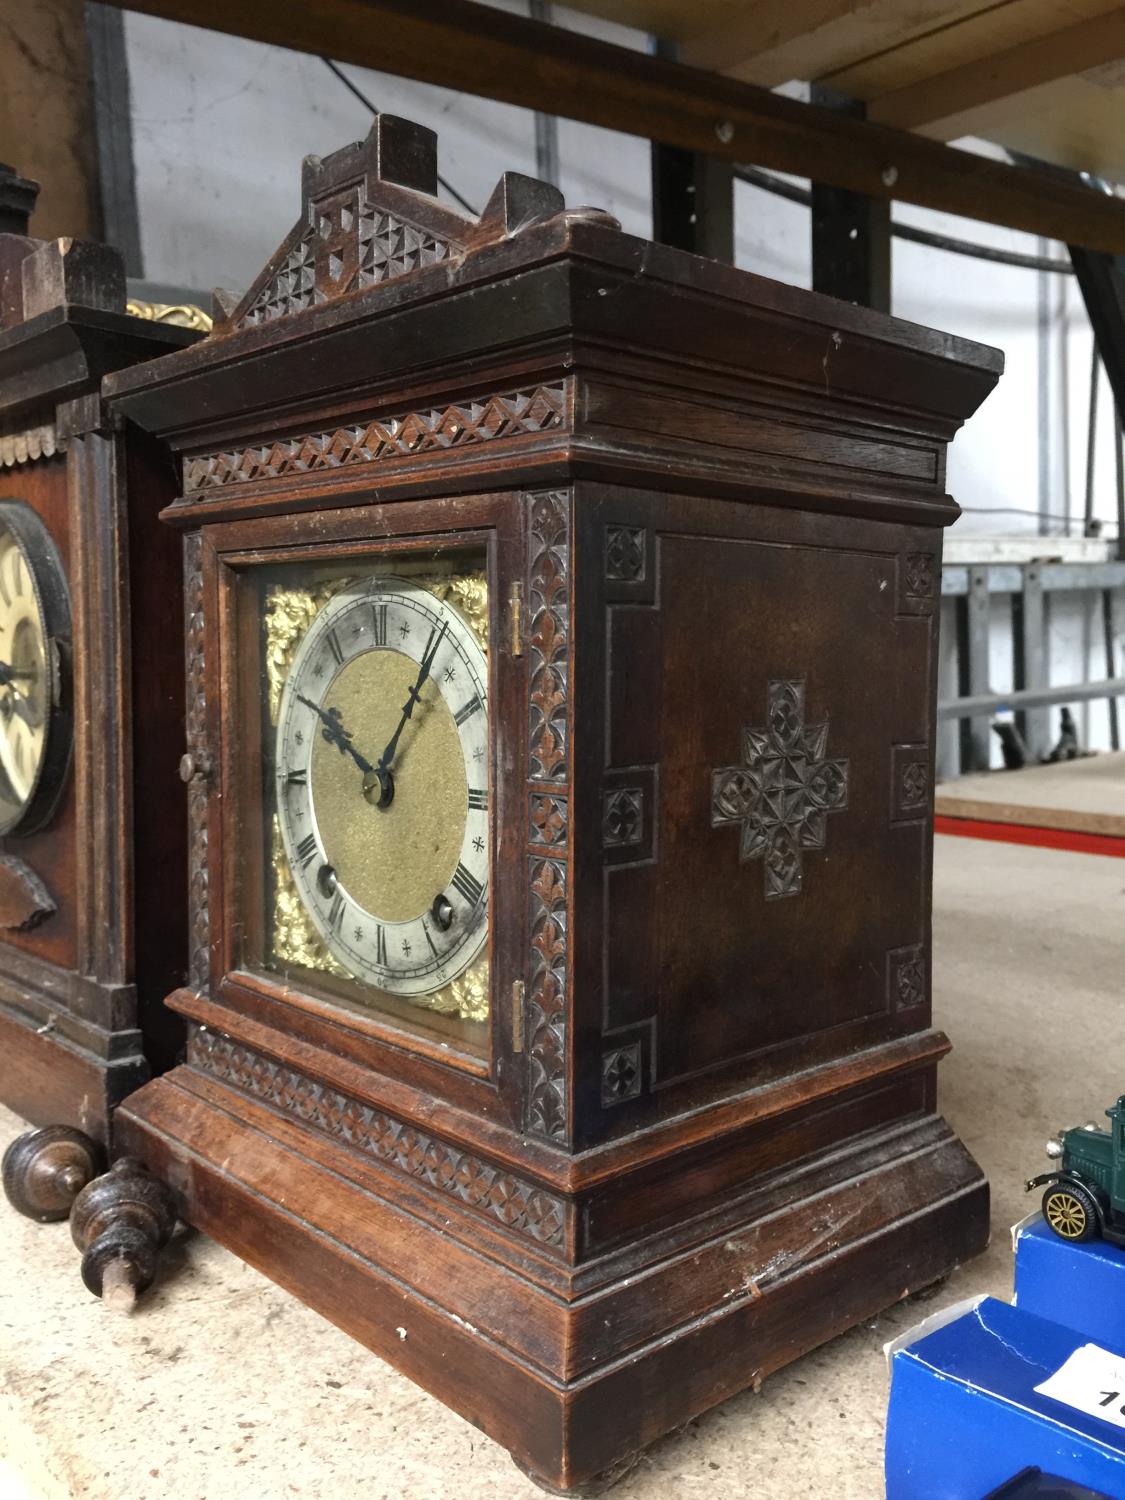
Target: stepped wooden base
(49,1078)
(572,1367)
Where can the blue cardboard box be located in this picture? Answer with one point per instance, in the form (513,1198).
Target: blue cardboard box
(1081,1286)
(966,1411)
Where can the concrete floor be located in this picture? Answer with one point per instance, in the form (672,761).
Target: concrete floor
(223,1384)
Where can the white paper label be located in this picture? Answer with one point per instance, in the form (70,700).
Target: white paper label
(1093,1381)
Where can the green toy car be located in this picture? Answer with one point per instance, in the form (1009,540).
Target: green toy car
(1085,1197)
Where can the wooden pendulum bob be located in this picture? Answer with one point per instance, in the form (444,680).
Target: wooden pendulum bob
(92,845)
(561,655)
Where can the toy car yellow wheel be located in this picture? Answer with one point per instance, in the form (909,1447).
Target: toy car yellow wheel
(1070,1211)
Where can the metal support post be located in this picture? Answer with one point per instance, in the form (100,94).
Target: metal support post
(546,126)
(978,609)
(692,196)
(1036,672)
(851,233)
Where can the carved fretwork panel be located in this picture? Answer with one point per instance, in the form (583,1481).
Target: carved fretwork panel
(370,214)
(348,245)
(199,799)
(741,707)
(548,669)
(456,1174)
(781,793)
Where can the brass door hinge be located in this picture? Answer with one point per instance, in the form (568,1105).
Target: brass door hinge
(517,1016)
(515,606)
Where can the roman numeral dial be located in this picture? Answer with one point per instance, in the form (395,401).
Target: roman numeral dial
(383,784)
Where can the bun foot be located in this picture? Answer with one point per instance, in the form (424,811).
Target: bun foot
(44,1171)
(120,1222)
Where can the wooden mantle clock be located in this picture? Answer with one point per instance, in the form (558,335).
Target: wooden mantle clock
(561,678)
(89,713)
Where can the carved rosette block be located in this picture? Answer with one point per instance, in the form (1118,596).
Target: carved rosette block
(919,575)
(621,1074)
(906,977)
(624,554)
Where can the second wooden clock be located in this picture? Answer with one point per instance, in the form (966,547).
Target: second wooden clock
(560,659)
(92,860)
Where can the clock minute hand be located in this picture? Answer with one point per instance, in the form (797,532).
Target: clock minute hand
(381,775)
(335,733)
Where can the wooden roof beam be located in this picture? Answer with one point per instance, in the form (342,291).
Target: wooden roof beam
(460,45)
(963,100)
(771,41)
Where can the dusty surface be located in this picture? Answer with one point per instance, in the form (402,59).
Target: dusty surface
(222,1384)
(1085,796)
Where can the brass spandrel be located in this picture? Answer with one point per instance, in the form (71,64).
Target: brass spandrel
(295,939)
(181,314)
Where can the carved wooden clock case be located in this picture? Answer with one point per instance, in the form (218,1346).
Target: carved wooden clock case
(561,653)
(92,856)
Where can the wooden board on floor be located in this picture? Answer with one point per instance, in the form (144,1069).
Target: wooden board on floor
(1082,796)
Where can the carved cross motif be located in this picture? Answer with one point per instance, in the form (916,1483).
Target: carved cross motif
(783,791)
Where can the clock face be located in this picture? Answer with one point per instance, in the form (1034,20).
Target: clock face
(381,768)
(35,722)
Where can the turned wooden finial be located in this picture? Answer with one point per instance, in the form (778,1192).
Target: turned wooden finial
(44,1171)
(120,1222)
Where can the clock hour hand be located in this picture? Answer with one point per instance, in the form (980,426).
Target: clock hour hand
(335,733)
(10,675)
(381,776)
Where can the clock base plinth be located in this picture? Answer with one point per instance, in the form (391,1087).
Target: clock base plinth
(573,1365)
(49,1078)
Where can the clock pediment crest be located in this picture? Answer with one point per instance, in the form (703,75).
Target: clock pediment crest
(370,214)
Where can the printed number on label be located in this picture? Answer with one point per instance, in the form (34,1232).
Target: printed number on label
(1092,1380)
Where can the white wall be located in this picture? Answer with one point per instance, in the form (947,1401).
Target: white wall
(220,126)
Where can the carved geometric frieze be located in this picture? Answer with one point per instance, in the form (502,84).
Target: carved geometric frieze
(910,781)
(547,818)
(623,816)
(783,791)
(545,1019)
(621,1074)
(624,553)
(518,1204)
(485,419)
(906,977)
(549,623)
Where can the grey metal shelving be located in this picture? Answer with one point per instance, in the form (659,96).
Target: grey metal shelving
(1028,585)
